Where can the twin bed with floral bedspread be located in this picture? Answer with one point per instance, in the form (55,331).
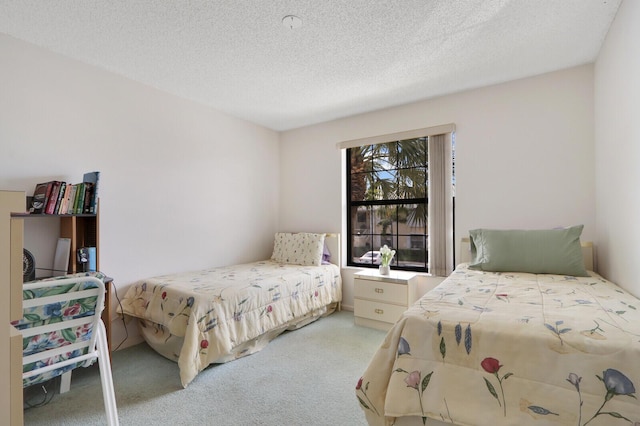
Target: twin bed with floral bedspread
(555,344)
(219,314)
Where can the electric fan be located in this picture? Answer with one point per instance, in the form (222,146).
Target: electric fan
(28,266)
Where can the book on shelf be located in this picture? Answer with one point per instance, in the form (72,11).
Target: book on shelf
(88,189)
(40,197)
(77,209)
(53,198)
(72,198)
(63,194)
(74,205)
(57,197)
(62,209)
(63,188)
(93,178)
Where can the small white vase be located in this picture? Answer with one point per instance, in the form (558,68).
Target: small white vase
(384,270)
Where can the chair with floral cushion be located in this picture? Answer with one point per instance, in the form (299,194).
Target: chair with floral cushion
(62,330)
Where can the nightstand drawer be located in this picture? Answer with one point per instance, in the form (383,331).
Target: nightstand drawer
(378,311)
(380,290)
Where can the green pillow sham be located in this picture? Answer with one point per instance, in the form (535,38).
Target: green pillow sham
(545,251)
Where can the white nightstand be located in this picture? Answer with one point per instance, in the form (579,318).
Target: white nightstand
(379,300)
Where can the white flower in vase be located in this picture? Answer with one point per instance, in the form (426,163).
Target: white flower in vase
(386,255)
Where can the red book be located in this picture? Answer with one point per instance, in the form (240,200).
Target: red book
(53,198)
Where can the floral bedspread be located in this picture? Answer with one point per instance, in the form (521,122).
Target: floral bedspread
(214,312)
(489,348)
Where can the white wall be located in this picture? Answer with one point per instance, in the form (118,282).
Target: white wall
(182,186)
(524,152)
(617,135)
(525,158)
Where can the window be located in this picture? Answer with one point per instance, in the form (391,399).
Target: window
(418,242)
(389,201)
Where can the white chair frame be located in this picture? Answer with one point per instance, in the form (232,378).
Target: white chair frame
(97,348)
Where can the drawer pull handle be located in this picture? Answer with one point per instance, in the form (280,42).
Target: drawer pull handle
(379,290)
(379,311)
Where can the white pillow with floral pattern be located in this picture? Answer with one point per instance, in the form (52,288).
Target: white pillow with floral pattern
(301,248)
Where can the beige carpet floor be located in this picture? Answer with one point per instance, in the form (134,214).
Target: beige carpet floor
(304,377)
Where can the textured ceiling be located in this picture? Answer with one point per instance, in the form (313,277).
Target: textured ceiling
(348,57)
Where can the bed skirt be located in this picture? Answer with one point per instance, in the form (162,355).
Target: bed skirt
(168,345)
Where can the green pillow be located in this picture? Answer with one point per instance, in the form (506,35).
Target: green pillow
(545,251)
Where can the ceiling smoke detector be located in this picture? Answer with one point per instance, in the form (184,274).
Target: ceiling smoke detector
(292,22)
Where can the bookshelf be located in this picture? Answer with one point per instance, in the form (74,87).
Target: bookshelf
(76,208)
(84,231)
